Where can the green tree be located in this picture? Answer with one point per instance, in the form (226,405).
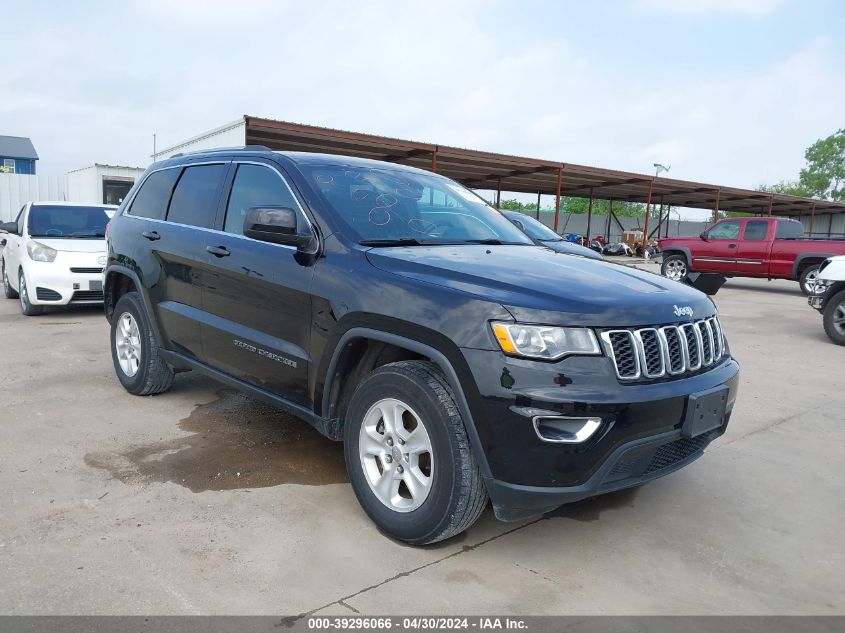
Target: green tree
(788,187)
(824,175)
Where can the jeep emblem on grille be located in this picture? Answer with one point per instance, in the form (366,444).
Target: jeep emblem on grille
(683,311)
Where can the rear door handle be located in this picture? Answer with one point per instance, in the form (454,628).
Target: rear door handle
(218,251)
(151,235)
(731,245)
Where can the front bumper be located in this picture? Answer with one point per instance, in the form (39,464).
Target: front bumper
(72,278)
(641,437)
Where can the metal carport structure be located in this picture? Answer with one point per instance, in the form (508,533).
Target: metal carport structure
(500,172)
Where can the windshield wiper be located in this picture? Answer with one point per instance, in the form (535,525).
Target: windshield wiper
(492,241)
(404,241)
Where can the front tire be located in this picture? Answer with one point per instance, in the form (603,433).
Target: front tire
(808,280)
(834,318)
(408,456)
(27,309)
(134,350)
(675,267)
(10,292)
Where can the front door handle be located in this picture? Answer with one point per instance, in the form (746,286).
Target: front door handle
(151,235)
(731,245)
(218,251)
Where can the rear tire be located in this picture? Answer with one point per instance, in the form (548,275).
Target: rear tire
(808,279)
(675,267)
(134,350)
(27,309)
(409,406)
(10,292)
(834,318)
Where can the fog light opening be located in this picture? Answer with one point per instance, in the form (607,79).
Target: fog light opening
(566,430)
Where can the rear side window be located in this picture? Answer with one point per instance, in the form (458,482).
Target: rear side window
(194,200)
(151,200)
(756,230)
(255,186)
(789,231)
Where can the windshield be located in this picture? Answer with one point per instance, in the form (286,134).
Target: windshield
(67,221)
(385,206)
(534,228)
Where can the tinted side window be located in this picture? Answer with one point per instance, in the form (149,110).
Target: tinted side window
(255,186)
(789,231)
(724,231)
(194,200)
(756,230)
(151,200)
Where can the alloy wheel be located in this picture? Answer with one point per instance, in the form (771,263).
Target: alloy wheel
(127,344)
(676,270)
(396,455)
(839,318)
(811,282)
(22,293)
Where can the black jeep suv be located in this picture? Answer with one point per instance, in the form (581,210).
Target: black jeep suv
(394,310)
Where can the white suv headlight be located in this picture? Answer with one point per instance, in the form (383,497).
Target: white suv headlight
(545,342)
(40,253)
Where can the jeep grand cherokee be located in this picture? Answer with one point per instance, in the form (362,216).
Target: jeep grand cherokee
(395,311)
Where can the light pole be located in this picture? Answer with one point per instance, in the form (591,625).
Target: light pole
(659,168)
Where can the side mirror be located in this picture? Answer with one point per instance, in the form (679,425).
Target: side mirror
(276,225)
(703,235)
(9,227)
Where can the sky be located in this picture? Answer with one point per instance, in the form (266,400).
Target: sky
(729,92)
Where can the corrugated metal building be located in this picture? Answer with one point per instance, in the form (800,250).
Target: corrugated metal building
(230,135)
(17,155)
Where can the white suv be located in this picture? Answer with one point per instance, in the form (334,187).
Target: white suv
(54,254)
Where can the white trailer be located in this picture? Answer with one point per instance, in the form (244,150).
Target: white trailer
(101,184)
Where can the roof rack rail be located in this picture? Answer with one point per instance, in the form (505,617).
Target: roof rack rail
(238,148)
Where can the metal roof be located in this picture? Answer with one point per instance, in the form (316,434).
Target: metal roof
(17,147)
(488,170)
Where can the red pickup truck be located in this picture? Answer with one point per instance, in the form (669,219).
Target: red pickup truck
(771,248)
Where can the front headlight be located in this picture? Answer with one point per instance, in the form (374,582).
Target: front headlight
(545,342)
(40,253)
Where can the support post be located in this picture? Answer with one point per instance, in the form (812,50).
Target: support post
(434,160)
(589,215)
(647,213)
(607,224)
(659,220)
(812,219)
(538,205)
(771,202)
(557,196)
(716,206)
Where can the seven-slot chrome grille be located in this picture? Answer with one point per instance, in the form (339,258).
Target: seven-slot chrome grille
(671,350)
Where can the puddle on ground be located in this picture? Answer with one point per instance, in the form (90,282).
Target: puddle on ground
(591,509)
(235,442)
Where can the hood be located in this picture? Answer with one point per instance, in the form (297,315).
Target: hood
(540,286)
(73,245)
